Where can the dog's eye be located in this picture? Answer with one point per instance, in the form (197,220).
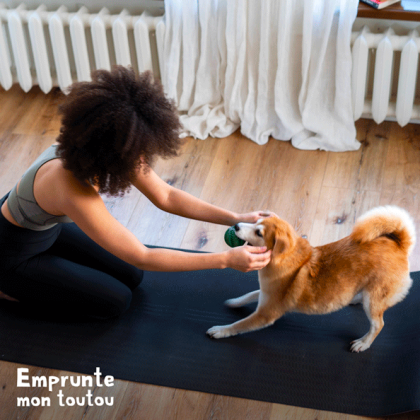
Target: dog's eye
(258,233)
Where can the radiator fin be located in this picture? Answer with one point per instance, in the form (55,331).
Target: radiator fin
(407,80)
(20,50)
(39,48)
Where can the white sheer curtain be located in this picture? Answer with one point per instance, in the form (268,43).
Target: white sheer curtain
(278,68)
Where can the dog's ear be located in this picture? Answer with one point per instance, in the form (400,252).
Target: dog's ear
(282,243)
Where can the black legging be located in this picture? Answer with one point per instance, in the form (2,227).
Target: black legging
(62,269)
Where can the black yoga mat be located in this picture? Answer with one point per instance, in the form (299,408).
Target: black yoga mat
(301,360)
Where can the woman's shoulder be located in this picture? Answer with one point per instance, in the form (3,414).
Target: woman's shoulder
(70,183)
(57,187)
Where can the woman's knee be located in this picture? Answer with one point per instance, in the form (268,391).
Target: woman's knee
(134,277)
(114,305)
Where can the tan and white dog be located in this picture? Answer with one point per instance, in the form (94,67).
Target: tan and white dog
(369,266)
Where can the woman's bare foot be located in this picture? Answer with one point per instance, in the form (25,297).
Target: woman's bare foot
(7,297)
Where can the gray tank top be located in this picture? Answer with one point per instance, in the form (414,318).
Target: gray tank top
(23,206)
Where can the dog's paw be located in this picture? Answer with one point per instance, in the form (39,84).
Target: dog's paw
(218,332)
(359,345)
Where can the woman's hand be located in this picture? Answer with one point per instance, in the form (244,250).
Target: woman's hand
(254,216)
(248,258)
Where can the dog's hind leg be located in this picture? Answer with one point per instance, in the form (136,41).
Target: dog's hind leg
(374,311)
(243,300)
(402,291)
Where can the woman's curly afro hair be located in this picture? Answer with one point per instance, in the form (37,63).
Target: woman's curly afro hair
(114,125)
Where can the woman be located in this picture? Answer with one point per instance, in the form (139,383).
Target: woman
(60,248)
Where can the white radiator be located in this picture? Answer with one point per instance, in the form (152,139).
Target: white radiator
(38,47)
(56,48)
(384,75)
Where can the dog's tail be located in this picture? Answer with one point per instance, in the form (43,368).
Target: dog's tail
(391,221)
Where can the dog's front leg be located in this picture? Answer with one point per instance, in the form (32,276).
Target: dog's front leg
(259,319)
(243,300)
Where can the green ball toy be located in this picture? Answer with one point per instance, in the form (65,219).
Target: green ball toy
(231,239)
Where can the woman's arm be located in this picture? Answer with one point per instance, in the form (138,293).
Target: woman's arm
(175,201)
(87,209)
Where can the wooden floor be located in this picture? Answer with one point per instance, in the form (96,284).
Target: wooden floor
(319,193)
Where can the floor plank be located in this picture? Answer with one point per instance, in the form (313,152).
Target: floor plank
(337,211)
